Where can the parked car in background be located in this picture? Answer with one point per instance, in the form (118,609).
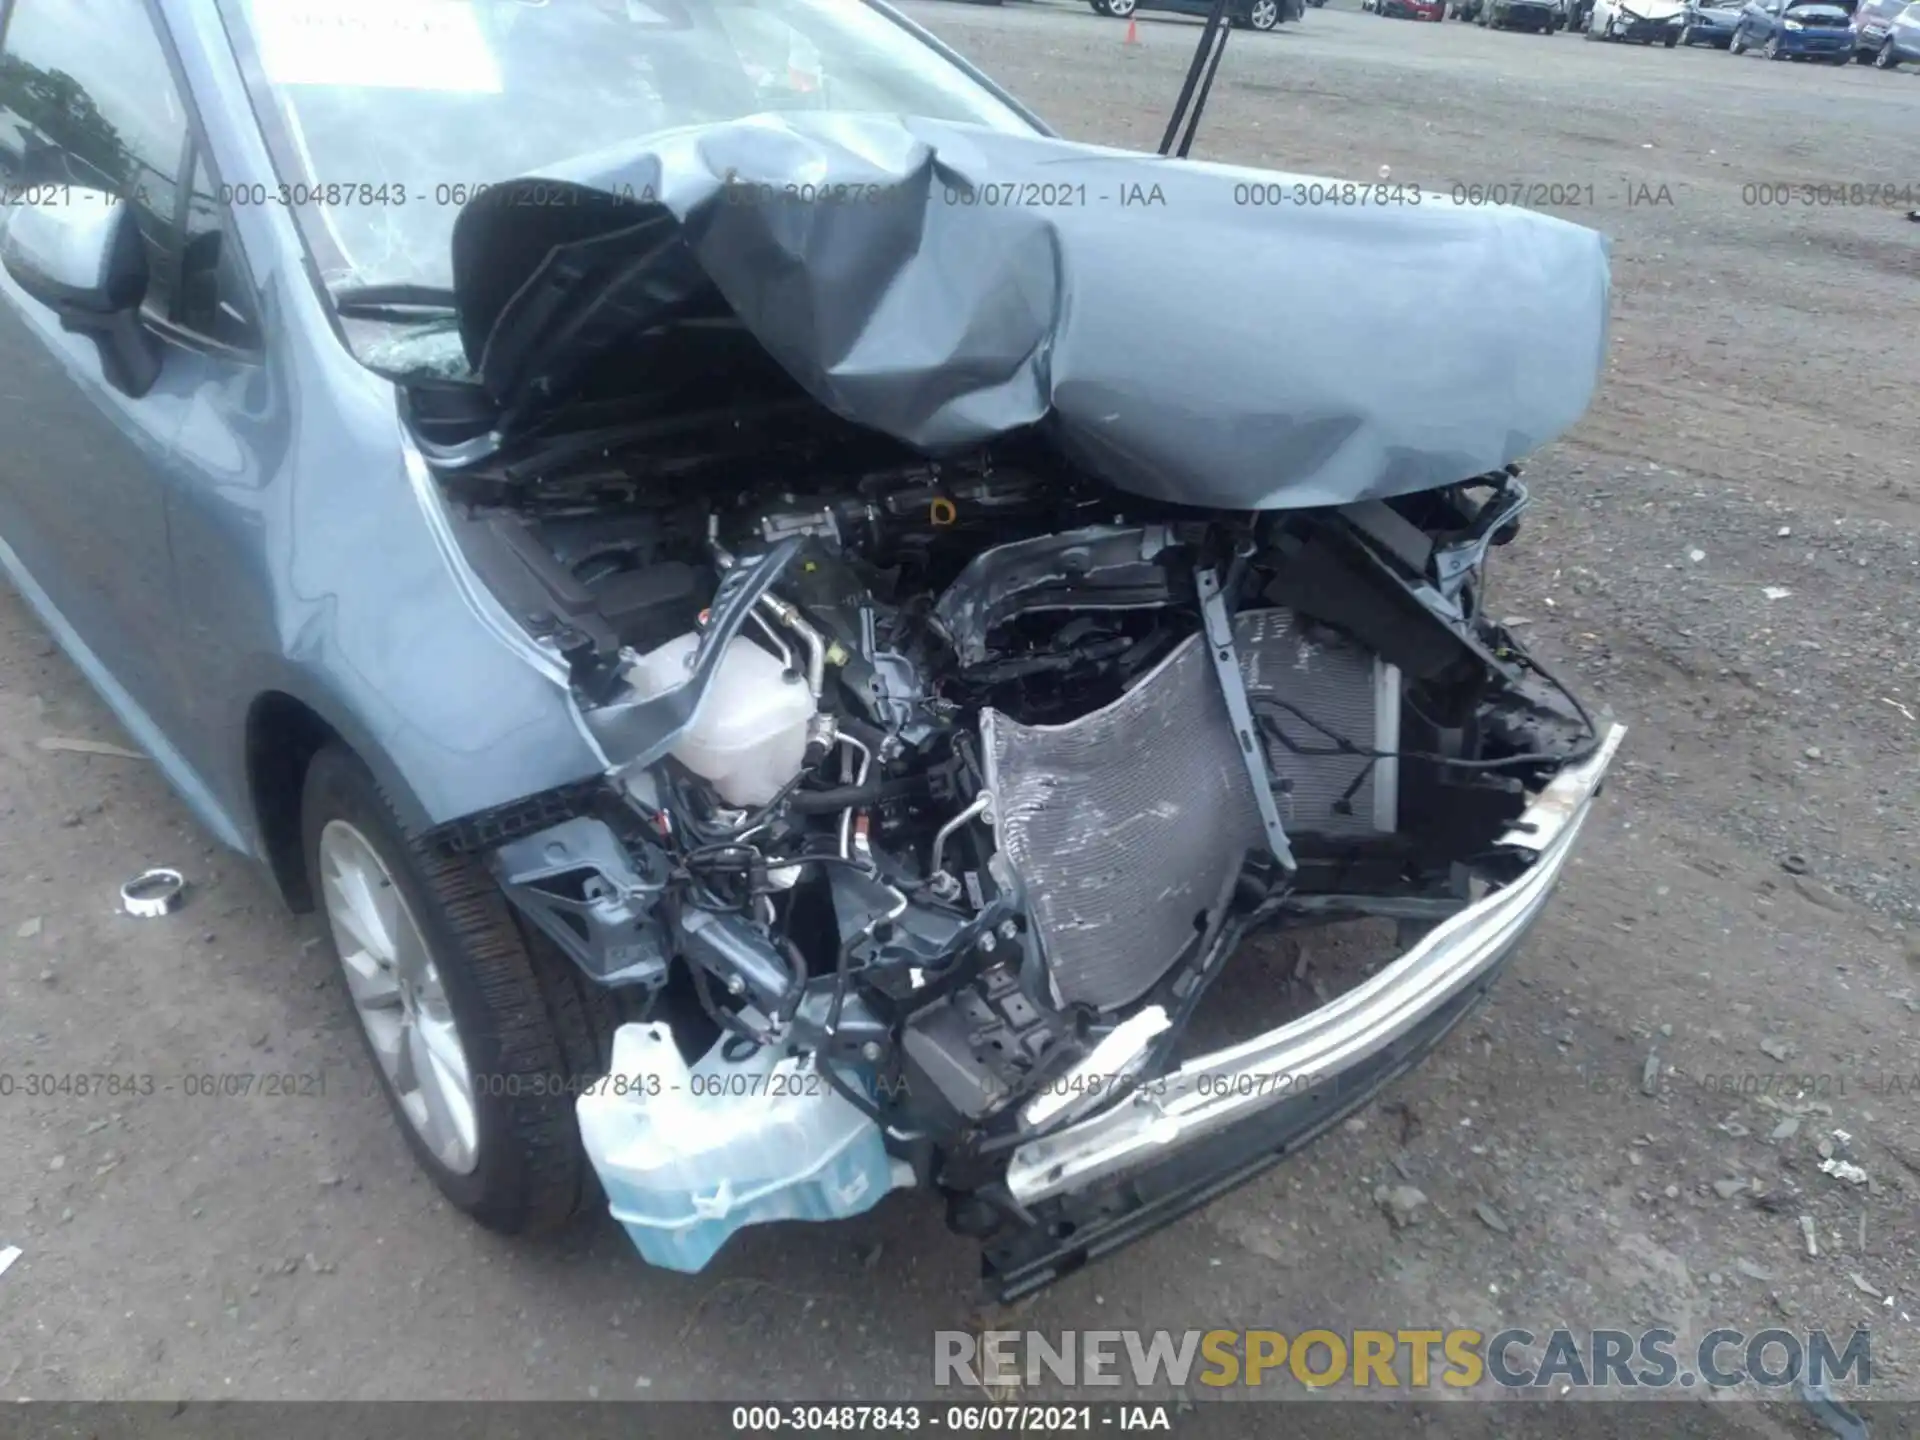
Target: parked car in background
(1543,17)
(1899,41)
(1782,30)
(1246,14)
(1407,9)
(1648,21)
(1710,22)
(1871,19)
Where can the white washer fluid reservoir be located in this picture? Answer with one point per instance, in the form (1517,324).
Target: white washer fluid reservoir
(687,1155)
(750,736)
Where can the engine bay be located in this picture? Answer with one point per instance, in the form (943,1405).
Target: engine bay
(921,769)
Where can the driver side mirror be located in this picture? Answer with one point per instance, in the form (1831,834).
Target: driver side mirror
(79,253)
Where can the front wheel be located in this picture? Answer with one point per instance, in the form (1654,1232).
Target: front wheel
(479,1033)
(1884,58)
(1772,49)
(1264,14)
(1120,9)
(1672,40)
(1738,44)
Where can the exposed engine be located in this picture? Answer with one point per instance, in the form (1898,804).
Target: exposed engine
(965,779)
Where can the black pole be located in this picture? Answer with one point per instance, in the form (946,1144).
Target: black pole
(1214,25)
(1200,100)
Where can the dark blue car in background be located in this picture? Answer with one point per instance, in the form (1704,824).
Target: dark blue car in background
(1784,31)
(1248,14)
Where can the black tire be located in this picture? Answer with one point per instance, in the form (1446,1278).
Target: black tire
(1100,7)
(1772,49)
(1686,34)
(1885,57)
(1264,15)
(528,1018)
(1738,44)
(1672,40)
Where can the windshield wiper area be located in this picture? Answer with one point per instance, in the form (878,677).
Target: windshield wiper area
(393,301)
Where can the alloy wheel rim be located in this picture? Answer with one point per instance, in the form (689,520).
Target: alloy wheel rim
(1264,14)
(396,992)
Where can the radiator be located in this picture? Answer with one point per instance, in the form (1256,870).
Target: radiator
(1127,827)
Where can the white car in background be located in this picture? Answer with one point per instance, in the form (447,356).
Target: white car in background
(1648,21)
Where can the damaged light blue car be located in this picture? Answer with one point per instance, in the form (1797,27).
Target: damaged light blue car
(789,660)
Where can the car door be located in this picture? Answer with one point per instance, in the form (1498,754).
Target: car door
(89,90)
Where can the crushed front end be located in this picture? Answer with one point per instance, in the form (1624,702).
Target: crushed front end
(972,682)
(948,793)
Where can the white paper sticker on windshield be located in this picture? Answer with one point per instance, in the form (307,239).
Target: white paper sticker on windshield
(388,44)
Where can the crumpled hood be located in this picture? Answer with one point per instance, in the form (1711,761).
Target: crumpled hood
(1653,9)
(1188,332)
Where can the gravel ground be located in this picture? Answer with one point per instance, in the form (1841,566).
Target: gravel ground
(1724,552)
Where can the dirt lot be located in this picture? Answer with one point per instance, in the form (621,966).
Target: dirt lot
(1726,552)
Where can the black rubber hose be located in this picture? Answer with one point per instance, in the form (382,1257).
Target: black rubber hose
(846,797)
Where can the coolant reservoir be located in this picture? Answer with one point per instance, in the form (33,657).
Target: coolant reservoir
(689,1155)
(750,737)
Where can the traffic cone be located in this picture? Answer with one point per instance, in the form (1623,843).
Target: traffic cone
(1133,32)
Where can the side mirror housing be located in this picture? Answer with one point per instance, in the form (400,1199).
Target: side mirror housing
(79,253)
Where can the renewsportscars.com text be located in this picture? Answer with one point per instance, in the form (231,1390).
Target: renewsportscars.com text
(1460,1359)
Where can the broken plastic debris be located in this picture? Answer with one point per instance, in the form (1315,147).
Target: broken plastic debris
(8,1256)
(1806,1230)
(1776,592)
(1844,1170)
(87,747)
(1830,1412)
(153,893)
(28,928)
(1696,556)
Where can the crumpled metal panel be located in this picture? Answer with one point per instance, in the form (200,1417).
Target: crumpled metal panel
(1126,827)
(1129,825)
(1176,339)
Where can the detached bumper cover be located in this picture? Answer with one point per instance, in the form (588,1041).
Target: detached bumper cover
(1220,1090)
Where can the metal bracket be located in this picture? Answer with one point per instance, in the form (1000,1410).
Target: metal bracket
(1233,687)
